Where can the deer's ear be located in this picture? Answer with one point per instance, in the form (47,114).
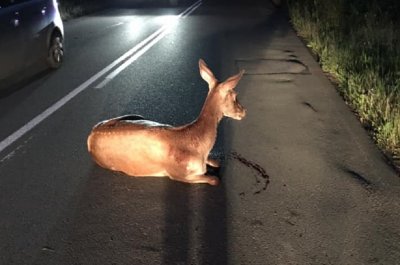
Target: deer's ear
(207,75)
(232,81)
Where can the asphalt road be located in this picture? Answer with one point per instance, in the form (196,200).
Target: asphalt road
(301,181)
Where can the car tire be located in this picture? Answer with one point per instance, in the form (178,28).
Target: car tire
(55,52)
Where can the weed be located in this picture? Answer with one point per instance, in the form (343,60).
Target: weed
(358,42)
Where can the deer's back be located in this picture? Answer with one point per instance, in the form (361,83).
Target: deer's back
(138,148)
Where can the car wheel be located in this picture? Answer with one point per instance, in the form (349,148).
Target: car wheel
(56,52)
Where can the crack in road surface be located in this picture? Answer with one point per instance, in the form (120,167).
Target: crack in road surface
(310,106)
(364,182)
(265,66)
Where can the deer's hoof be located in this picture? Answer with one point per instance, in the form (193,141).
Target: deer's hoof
(213,181)
(213,162)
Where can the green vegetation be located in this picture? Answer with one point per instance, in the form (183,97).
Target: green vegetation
(358,42)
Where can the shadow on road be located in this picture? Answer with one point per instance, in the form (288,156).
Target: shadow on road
(195,224)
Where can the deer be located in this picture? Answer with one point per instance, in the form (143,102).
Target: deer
(142,148)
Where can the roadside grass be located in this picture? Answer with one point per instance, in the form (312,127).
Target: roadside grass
(358,42)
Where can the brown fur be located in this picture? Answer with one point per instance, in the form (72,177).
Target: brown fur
(145,148)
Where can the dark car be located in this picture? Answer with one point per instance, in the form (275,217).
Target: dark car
(31,31)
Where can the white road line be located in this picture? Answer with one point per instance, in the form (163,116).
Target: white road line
(129,56)
(115,25)
(190,10)
(129,61)
(132,51)
(149,42)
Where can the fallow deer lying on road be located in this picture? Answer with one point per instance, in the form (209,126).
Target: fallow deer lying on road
(139,147)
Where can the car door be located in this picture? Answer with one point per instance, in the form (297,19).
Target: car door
(34,19)
(11,38)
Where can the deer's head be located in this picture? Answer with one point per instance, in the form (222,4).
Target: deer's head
(224,92)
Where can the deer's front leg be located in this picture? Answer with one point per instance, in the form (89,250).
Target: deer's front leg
(212,162)
(212,180)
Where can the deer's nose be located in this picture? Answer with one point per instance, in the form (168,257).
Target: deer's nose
(240,115)
(244,113)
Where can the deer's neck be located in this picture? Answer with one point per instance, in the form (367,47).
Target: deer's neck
(204,128)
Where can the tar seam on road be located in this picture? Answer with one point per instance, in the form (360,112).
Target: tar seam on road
(127,58)
(256,167)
